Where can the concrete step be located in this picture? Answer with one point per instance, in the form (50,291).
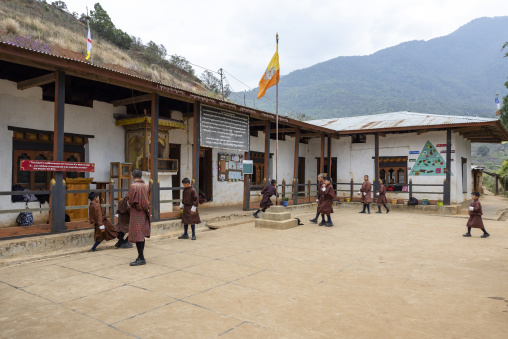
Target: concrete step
(229,223)
(279,216)
(277,225)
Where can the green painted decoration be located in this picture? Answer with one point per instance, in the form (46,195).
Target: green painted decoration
(430,162)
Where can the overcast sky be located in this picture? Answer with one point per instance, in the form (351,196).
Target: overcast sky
(239,36)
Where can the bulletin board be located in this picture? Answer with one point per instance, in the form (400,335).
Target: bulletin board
(230,167)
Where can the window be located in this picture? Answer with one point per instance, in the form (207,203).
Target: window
(393,171)
(38,145)
(464,175)
(359,139)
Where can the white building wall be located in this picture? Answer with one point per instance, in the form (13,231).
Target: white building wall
(27,109)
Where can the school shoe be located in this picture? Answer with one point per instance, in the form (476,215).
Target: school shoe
(466,235)
(313,220)
(118,244)
(193,237)
(329,224)
(126,245)
(486,235)
(255,215)
(387,211)
(92,250)
(362,212)
(138,262)
(184,236)
(379,212)
(322,223)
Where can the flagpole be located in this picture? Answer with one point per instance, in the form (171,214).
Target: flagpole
(88,25)
(277,122)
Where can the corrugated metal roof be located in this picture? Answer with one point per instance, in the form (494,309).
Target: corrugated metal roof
(395,120)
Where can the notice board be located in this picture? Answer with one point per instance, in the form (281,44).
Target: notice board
(224,129)
(230,167)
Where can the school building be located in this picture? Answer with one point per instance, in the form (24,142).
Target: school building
(60,109)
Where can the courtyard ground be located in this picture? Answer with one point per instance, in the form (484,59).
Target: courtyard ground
(384,275)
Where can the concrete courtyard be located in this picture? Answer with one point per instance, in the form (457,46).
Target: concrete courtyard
(396,275)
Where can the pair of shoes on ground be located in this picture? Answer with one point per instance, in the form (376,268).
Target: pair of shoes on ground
(186,236)
(468,235)
(123,244)
(138,262)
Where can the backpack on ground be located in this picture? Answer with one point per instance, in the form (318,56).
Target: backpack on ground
(25,218)
(412,201)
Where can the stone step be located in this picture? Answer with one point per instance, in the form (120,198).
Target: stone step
(229,223)
(277,225)
(279,216)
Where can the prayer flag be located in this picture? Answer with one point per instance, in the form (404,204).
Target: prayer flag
(88,45)
(271,76)
(498,105)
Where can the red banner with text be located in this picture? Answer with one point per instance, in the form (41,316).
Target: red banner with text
(60,166)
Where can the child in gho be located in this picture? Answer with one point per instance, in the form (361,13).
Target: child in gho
(189,205)
(475,216)
(267,193)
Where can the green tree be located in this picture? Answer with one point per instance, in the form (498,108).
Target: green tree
(182,63)
(102,24)
(483,151)
(213,83)
(504,108)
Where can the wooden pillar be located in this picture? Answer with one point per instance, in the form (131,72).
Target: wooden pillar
(321,159)
(267,153)
(58,190)
(329,169)
(447,184)
(376,164)
(196,146)
(497,184)
(295,168)
(246,185)
(154,157)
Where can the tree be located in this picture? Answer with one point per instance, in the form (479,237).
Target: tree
(214,84)
(504,108)
(483,151)
(182,63)
(102,24)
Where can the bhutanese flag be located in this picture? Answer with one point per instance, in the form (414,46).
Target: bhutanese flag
(271,76)
(88,44)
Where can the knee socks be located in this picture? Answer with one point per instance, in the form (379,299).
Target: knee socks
(185,229)
(317,216)
(368,207)
(385,207)
(95,245)
(120,236)
(322,217)
(140,247)
(329,217)
(484,231)
(469,230)
(193,228)
(379,207)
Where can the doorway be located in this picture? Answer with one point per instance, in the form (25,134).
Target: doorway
(205,173)
(174,154)
(301,174)
(333,174)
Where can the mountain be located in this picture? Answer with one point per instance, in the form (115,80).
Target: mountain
(457,74)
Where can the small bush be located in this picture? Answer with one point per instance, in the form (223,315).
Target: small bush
(11,26)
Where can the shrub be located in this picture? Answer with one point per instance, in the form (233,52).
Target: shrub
(11,26)
(28,42)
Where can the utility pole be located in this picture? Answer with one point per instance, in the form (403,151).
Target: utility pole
(221,84)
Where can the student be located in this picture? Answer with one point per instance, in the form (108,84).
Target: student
(381,199)
(475,216)
(122,227)
(318,197)
(139,223)
(104,230)
(327,196)
(365,191)
(267,193)
(189,205)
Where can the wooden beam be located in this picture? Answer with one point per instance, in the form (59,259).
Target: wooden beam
(322,158)
(467,129)
(257,123)
(132,100)
(310,135)
(422,131)
(39,81)
(285,130)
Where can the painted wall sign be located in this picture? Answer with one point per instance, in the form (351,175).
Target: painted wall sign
(248,167)
(441,145)
(430,162)
(60,166)
(412,160)
(414,152)
(444,151)
(224,129)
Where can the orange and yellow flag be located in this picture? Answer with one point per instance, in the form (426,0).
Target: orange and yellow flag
(271,76)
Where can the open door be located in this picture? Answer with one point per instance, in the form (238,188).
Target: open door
(205,173)
(301,174)
(175,153)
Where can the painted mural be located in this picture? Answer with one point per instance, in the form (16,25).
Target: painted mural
(429,162)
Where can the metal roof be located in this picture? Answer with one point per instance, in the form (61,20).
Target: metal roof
(396,120)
